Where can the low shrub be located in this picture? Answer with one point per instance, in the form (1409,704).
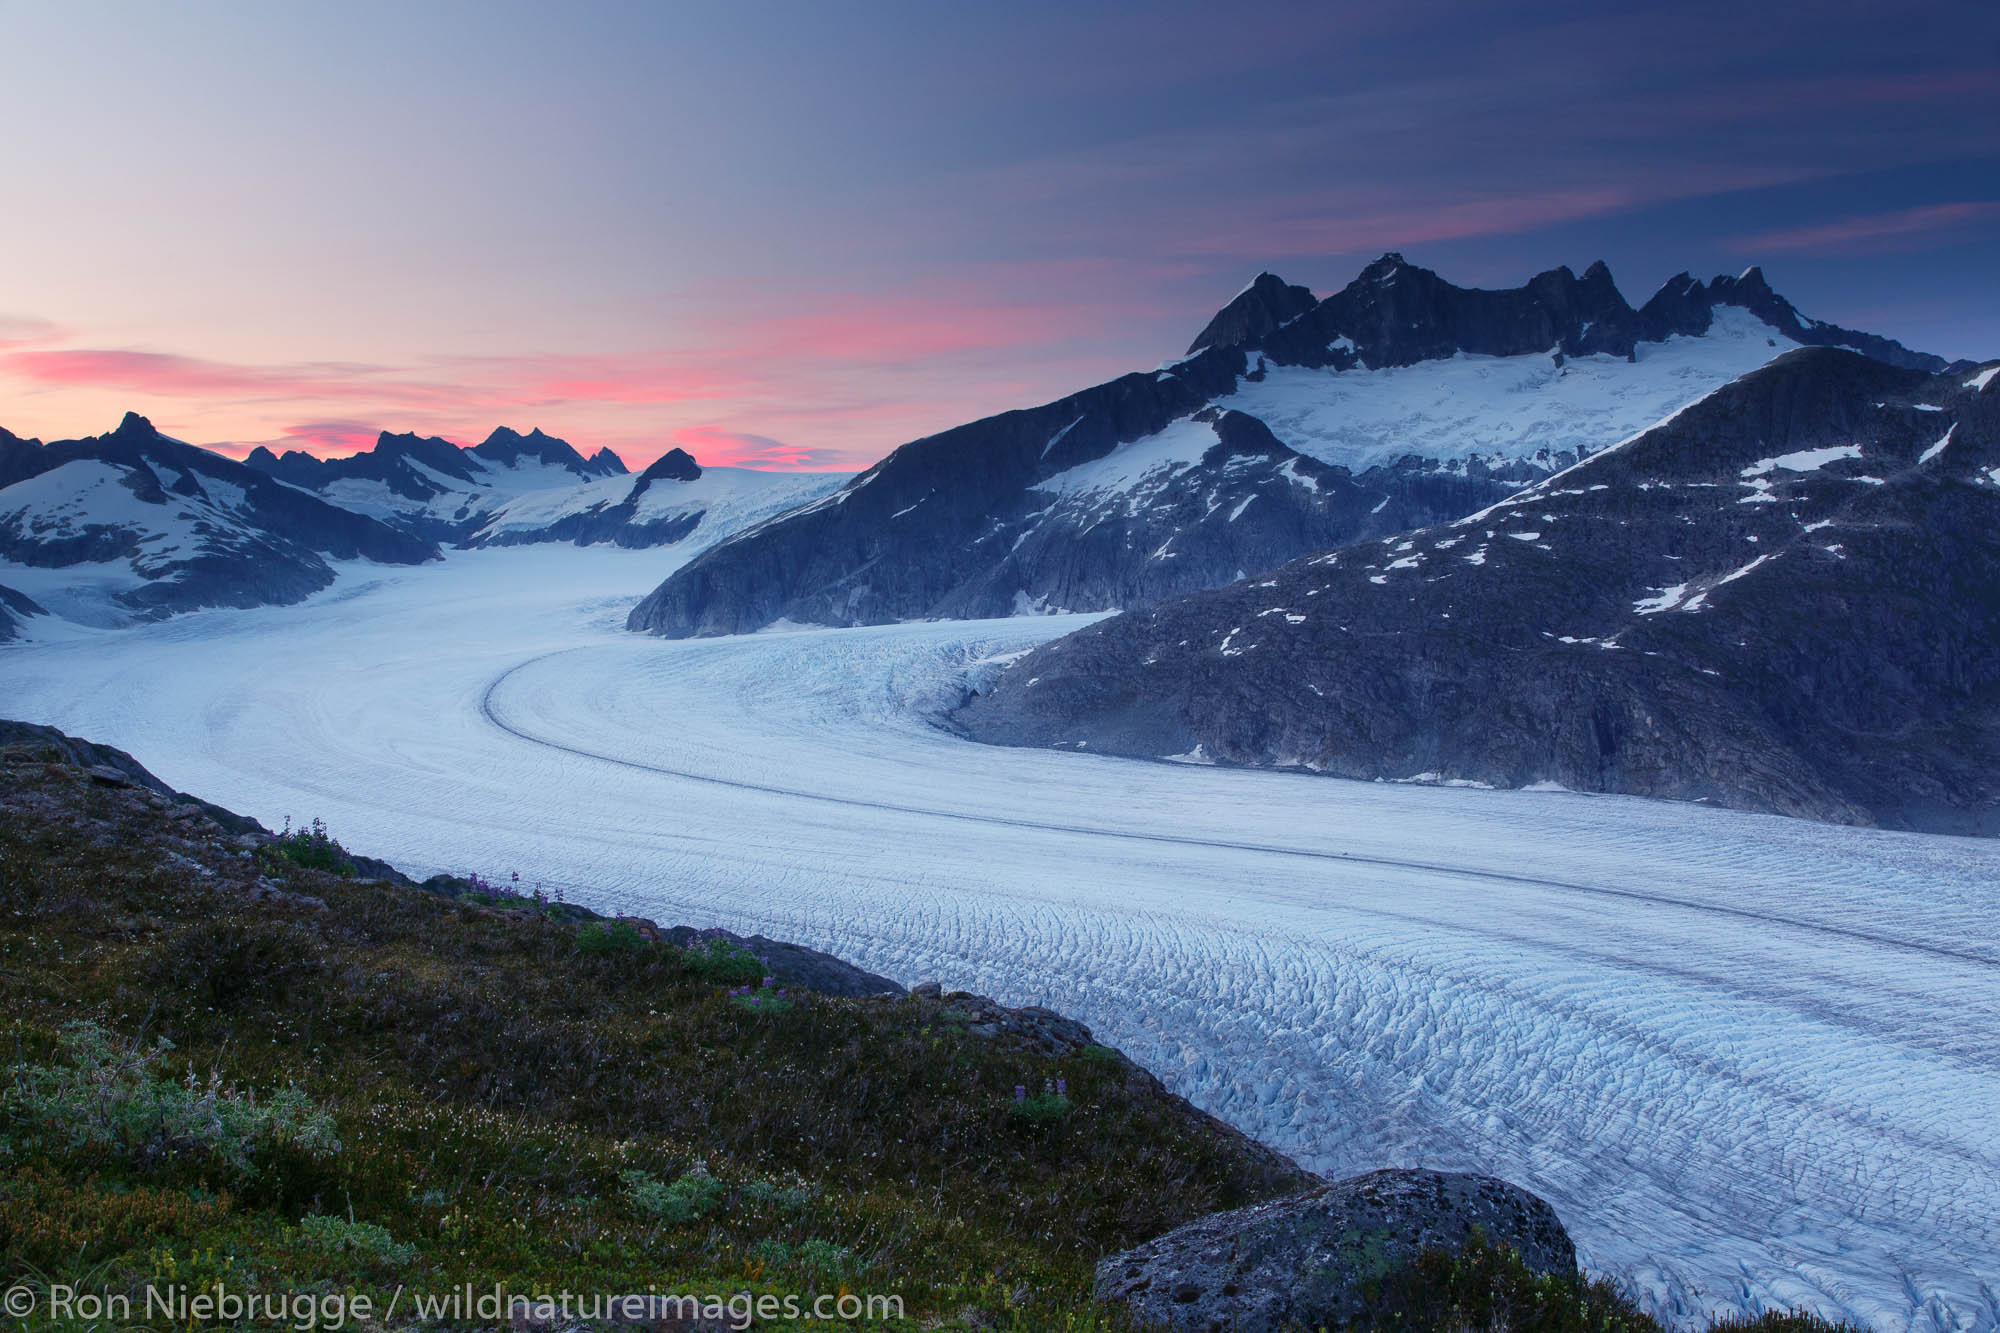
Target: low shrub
(346,1238)
(723,963)
(787,1199)
(694,1194)
(1051,1103)
(605,939)
(105,1098)
(312,848)
(766,998)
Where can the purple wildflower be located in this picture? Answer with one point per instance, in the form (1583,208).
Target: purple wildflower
(1020,1093)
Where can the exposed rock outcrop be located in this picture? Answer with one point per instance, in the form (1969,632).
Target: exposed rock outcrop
(1293,425)
(1318,1260)
(1785,599)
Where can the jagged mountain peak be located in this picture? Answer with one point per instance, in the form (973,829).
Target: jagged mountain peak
(1265,305)
(673,465)
(507,447)
(1401,398)
(433,451)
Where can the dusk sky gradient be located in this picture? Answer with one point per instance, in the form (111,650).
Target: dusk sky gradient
(798,235)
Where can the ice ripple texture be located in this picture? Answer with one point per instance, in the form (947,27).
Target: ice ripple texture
(1753,1062)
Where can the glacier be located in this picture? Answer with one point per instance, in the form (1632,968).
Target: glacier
(1751,1061)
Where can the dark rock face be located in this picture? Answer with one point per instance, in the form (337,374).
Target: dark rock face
(388,463)
(1396,314)
(673,465)
(1787,599)
(508,447)
(14,608)
(201,530)
(1312,1261)
(1259,310)
(986,519)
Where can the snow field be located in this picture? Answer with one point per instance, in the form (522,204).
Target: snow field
(1751,1061)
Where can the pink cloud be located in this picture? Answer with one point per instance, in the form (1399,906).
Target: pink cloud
(322,439)
(809,365)
(720,447)
(169,375)
(1874,231)
(27,331)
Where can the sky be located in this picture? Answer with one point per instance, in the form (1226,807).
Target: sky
(796,235)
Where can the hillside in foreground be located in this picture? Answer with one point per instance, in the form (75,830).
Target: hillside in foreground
(372,1085)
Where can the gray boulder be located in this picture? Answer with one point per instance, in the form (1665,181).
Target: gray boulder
(1306,1261)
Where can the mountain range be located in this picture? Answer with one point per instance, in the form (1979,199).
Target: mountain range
(1784,598)
(1703,548)
(1293,425)
(135,525)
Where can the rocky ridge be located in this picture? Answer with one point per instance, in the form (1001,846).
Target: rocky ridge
(1783,599)
(1293,425)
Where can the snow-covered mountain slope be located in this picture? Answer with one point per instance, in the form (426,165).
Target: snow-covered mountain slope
(1542,409)
(134,525)
(433,489)
(1750,1060)
(671,499)
(1416,400)
(1785,598)
(514,489)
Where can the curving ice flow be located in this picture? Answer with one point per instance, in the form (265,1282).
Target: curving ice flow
(1751,1061)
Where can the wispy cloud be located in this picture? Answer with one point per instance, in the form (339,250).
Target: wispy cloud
(729,448)
(28,331)
(170,375)
(1908,226)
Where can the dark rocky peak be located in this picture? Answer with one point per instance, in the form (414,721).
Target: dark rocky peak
(430,450)
(1390,265)
(508,447)
(135,428)
(1750,290)
(673,465)
(1396,314)
(1682,305)
(19,458)
(608,464)
(1259,309)
(262,459)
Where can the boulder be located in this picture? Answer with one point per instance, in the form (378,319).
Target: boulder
(1310,1261)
